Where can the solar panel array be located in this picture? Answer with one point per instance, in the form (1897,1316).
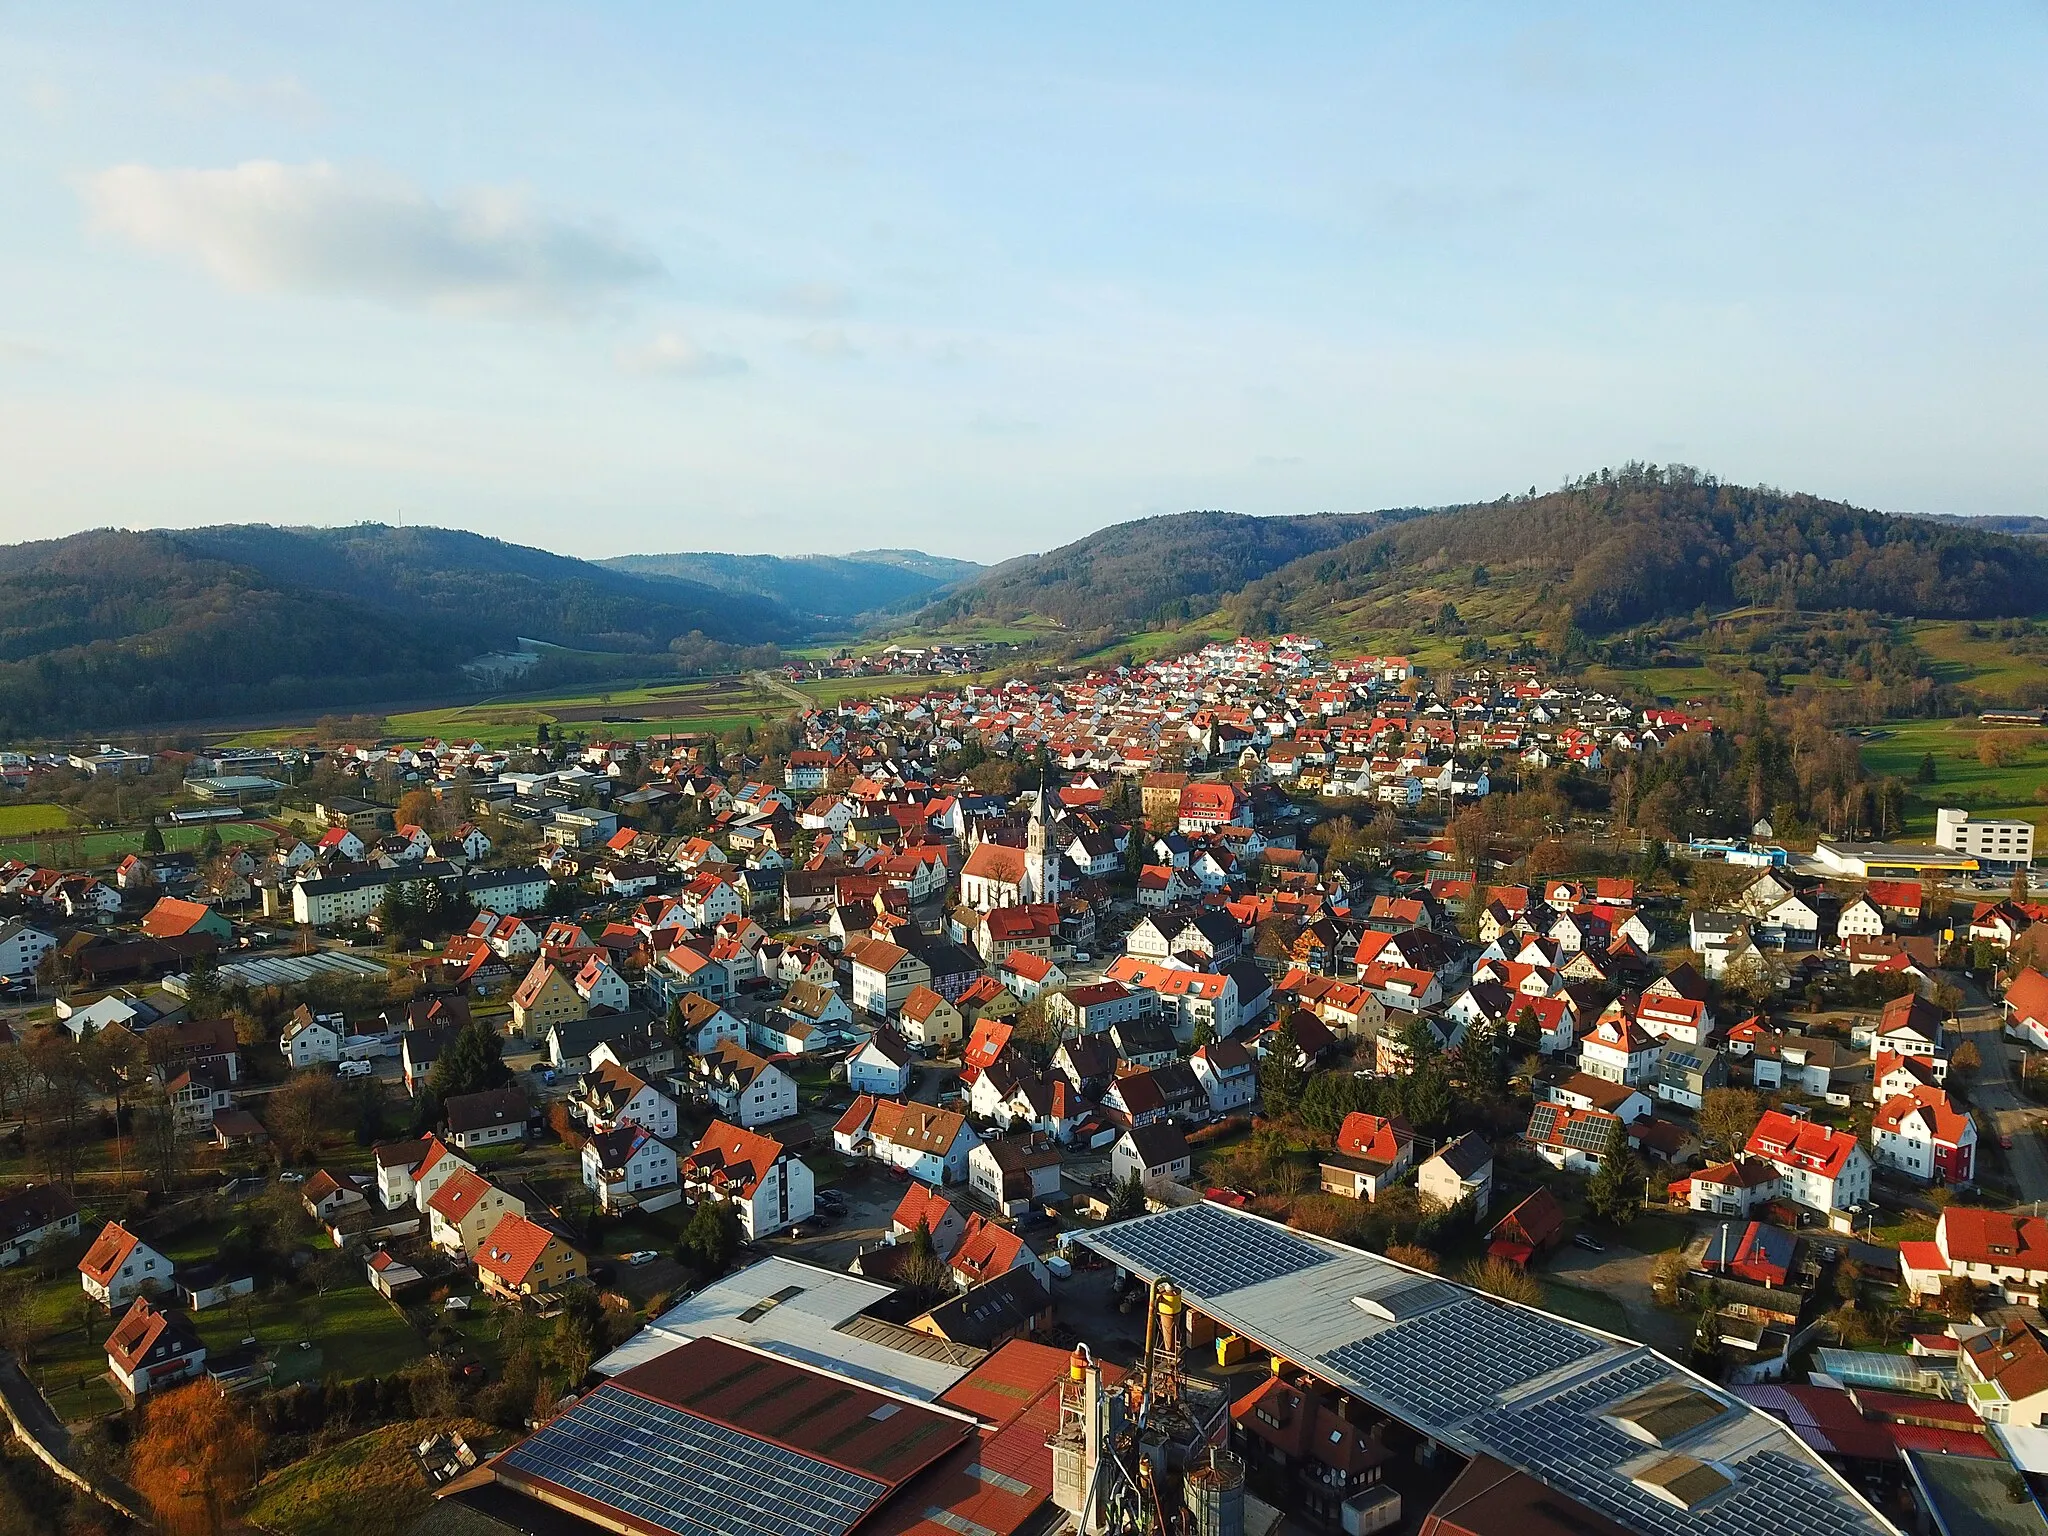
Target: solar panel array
(1562,1441)
(1449,1363)
(1209,1253)
(1589,1133)
(681,1473)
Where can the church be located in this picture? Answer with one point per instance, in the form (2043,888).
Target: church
(999,876)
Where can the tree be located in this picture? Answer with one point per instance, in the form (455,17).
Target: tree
(1925,774)
(1756,976)
(209,844)
(1280,1079)
(1615,1192)
(472,1063)
(416,808)
(924,1272)
(194,1459)
(1497,1277)
(152,838)
(1129,1197)
(1726,1117)
(1964,1060)
(1415,1256)
(710,1240)
(299,1112)
(160,1142)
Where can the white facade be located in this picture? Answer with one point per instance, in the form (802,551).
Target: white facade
(1995,842)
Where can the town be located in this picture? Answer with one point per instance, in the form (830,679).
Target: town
(1260,1088)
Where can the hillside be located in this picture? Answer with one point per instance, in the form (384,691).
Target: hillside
(1148,573)
(113,628)
(1616,550)
(828,589)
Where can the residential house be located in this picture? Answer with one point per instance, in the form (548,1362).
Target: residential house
(986,1251)
(2026,1008)
(1572,1140)
(1996,1251)
(521,1258)
(2004,1371)
(310,1039)
(884,974)
(770,1188)
(327,1199)
(1459,1173)
(1372,1154)
(923,1206)
(22,947)
(1527,1232)
(610,1095)
(1093,1008)
(489,1119)
(1011,1174)
(1923,1135)
(462,1212)
(928,1143)
(1154,1152)
(1152,1094)
(1728,1189)
(390,1277)
(1310,1453)
(547,997)
(698,1024)
(628,1167)
(1013,1305)
(31,1217)
(1620,1050)
(1228,1074)
(1686,1074)
(1825,1169)
(153,1347)
(928,1021)
(883,1065)
(747,1089)
(119,1266)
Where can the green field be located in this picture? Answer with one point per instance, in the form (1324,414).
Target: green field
(102,848)
(1898,746)
(709,704)
(1984,662)
(25,820)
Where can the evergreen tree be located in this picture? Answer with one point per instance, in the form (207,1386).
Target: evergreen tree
(472,1063)
(1615,1193)
(1926,773)
(152,838)
(1280,1079)
(710,1240)
(1129,1199)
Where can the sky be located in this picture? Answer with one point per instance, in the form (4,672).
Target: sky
(982,279)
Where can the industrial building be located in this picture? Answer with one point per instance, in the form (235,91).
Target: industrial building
(1408,1370)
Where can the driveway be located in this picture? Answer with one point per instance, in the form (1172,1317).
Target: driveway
(1623,1275)
(1994,1094)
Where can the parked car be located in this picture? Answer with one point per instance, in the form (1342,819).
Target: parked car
(1057,1267)
(641,1256)
(831,1200)
(354,1069)
(289,1177)
(1582,1240)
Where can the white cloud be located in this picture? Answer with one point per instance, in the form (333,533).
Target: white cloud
(12,351)
(829,342)
(314,228)
(281,96)
(677,356)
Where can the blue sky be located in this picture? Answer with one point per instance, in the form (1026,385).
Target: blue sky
(983,279)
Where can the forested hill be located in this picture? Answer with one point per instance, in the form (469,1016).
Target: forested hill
(830,589)
(1642,544)
(1154,571)
(112,628)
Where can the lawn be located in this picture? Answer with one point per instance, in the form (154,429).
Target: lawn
(370,1483)
(1593,1308)
(1897,748)
(353,1331)
(24,820)
(698,704)
(1960,657)
(103,848)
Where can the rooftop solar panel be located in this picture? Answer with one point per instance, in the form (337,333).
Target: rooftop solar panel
(677,1472)
(1208,1253)
(1562,1441)
(1454,1360)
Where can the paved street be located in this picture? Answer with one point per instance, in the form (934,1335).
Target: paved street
(2001,1109)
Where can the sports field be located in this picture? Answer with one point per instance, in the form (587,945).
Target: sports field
(23,820)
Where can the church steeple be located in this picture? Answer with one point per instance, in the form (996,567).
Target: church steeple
(1041,865)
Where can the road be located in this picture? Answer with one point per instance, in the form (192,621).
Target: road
(774,684)
(30,1413)
(2001,1108)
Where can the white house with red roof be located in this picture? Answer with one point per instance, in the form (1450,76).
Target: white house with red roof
(461,1213)
(1728,1189)
(1372,1153)
(1206,805)
(602,987)
(2026,1009)
(769,1187)
(1620,1050)
(924,1206)
(1922,1134)
(629,1167)
(120,1266)
(1818,1167)
(2005,1254)
(1028,975)
(1683,1019)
